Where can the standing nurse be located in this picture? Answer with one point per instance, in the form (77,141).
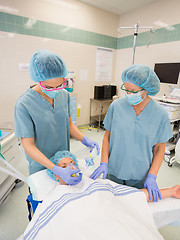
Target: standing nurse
(43,117)
(137,129)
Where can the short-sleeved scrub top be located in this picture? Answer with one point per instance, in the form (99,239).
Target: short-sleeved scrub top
(49,126)
(133,137)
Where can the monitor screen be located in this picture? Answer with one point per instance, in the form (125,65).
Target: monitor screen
(167,72)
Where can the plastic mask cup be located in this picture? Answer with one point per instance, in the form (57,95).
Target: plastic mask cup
(63,85)
(129,91)
(74,167)
(70,165)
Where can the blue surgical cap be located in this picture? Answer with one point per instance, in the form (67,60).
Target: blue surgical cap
(57,158)
(142,76)
(45,65)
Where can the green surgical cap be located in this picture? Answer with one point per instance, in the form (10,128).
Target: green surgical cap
(45,65)
(57,158)
(142,76)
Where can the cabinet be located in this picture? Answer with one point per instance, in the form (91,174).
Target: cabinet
(98,109)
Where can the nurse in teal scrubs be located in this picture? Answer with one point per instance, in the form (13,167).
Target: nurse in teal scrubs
(137,129)
(43,117)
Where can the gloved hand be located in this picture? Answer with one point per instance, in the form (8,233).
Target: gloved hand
(103,168)
(152,187)
(65,174)
(89,143)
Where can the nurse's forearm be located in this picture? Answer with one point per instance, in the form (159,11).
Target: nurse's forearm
(34,153)
(105,147)
(158,155)
(74,131)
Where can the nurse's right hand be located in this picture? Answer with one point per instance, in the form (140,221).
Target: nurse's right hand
(103,168)
(66,175)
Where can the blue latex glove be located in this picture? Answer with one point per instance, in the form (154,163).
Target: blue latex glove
(89,143)
(103,168)
(65,174)
(152,187)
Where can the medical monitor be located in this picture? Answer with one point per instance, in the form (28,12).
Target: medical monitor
(168,72)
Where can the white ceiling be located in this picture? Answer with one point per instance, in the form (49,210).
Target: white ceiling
(118,6)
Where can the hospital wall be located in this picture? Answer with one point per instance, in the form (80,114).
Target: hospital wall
(165,46)
(74,30)
(69,28)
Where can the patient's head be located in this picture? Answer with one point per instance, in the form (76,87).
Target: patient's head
(65,162)
(62,159)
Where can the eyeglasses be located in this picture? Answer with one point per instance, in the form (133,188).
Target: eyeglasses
(61,86)
(124,89)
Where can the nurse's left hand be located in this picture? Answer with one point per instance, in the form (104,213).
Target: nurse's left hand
(152,187)
(89,143)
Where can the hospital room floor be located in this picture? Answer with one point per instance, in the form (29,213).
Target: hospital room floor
(13,212)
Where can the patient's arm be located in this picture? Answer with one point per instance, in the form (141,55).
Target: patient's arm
(166,192)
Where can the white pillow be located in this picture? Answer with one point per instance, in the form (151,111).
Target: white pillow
(41,185)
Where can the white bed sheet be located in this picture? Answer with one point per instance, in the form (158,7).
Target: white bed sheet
(165,212)
(98,209)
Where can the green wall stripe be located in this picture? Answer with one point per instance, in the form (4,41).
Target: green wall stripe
(33,27)
(22,25)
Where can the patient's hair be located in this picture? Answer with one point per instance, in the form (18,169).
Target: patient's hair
(57,158)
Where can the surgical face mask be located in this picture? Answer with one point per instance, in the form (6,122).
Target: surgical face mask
(134,98)
(52,94)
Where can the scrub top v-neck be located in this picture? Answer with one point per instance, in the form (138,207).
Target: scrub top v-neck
(36,118)
(133,137)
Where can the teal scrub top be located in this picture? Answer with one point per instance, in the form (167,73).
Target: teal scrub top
(49,126)
(133,137)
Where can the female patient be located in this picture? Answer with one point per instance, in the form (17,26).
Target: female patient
(66,159)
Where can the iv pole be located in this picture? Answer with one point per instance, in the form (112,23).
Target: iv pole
(136,28)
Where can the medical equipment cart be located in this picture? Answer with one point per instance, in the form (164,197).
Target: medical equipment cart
(98,109)
(10,149)
(171,144)
(172,107)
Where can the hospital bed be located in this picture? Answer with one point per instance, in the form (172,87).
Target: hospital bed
(87,209)
(77,208)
